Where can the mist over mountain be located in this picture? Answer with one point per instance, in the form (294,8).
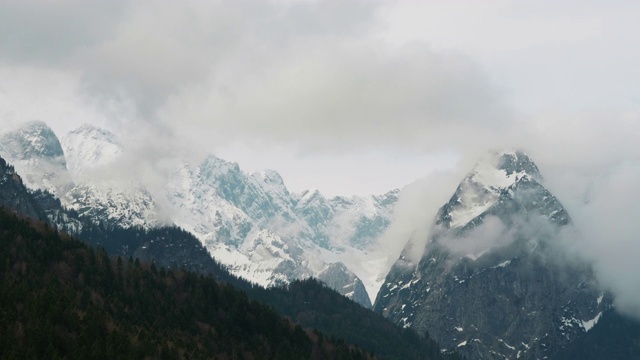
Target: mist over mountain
(494,278)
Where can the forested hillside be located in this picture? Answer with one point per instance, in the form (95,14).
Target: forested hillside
(63,299)
(313,304)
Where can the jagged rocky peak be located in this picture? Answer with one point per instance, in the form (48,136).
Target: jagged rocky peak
(35,151)
(490,282)
(495,178)
(33,139)
(270,177)
(389,198)
(499,170)
(313,198)
(272,182)
(314,208)
(517,162)
(215,166)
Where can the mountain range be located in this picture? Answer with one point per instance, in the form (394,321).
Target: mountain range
(249,222)
(135,292)
(491,280)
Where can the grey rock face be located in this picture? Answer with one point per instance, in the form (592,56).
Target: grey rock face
(492,282)
(341,279)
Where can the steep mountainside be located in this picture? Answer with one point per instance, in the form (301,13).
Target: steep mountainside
(492,281)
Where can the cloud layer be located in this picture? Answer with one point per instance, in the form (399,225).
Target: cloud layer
(308,73)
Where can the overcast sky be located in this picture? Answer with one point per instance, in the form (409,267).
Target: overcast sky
(345,96)
(353,96)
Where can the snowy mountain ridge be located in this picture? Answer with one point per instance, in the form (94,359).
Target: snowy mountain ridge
(249,222)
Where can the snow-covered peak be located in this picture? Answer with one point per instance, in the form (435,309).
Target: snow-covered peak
(36,153)
(89,147)
(271,182)
(214,166)
(501,170)
(516,161)
(269,177)
(33,139)
(95,133)
(482,187)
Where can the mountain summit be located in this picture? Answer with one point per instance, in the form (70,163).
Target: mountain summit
(35,151)
(493,179)
(491,282)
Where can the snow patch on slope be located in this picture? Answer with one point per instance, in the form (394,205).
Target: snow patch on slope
(589,324)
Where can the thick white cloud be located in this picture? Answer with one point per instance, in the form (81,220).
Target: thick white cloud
(308,73)
(604,208)
(332,94)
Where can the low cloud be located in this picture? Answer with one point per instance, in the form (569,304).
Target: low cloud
(492,233)
(415,212)
(604,209)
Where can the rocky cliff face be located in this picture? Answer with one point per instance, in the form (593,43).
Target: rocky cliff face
(492,281)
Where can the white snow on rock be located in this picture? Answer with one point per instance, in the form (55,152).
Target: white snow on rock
(589,324)
(481,189)
(88,148)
